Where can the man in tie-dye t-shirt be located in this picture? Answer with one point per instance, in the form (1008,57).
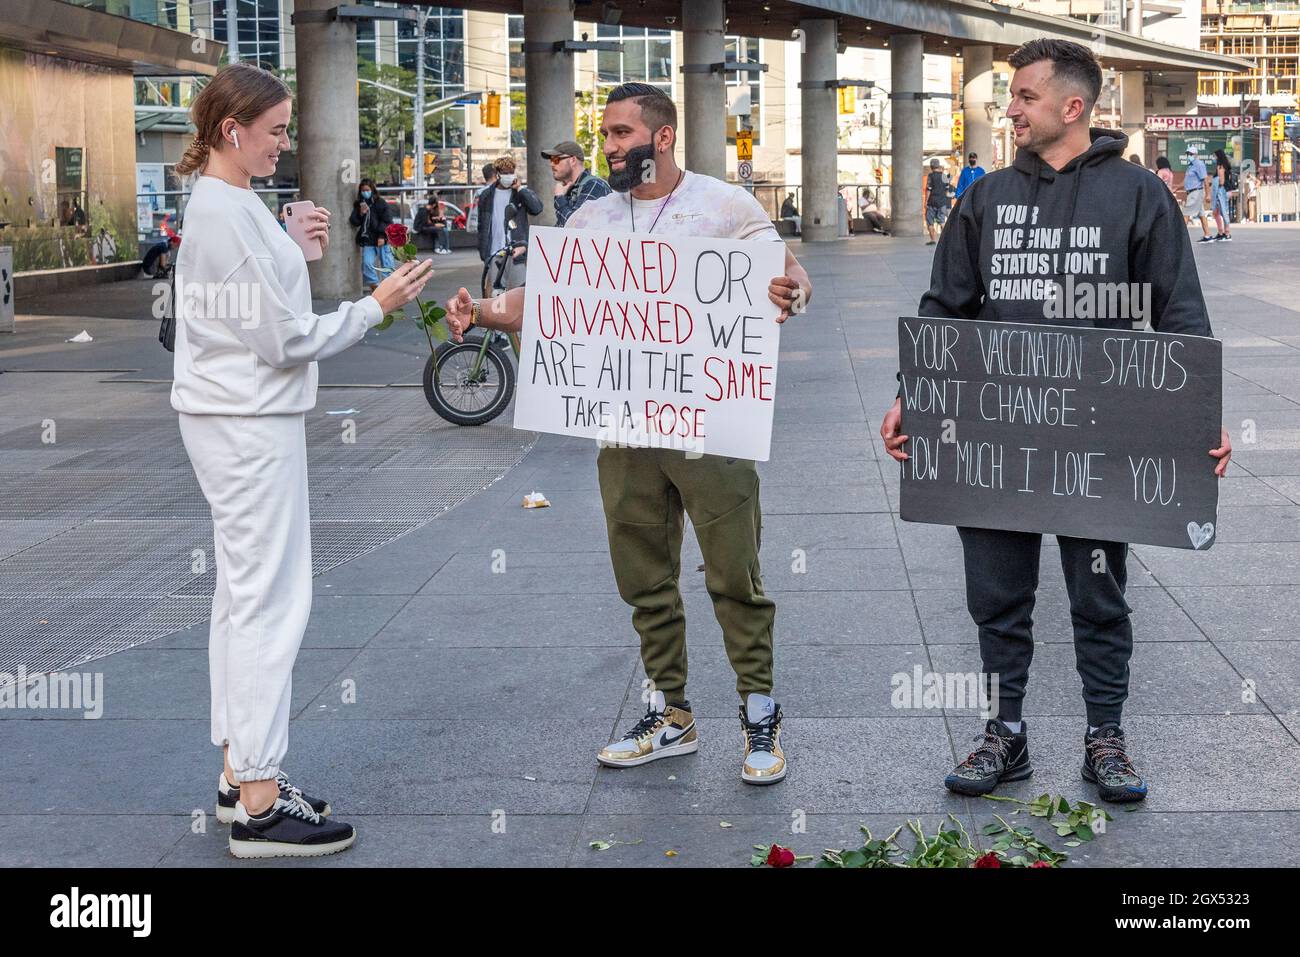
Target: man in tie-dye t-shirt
(647,492)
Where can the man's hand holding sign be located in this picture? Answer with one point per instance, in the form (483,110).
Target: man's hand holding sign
(648,341)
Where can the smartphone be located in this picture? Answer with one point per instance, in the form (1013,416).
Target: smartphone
(295,221)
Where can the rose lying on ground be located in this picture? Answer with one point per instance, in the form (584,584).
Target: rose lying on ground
(988,860)
(780,856)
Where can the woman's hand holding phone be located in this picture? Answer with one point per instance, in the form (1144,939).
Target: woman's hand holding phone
(403,284)
(318,226)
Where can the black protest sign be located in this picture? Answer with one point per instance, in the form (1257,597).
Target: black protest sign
(1092,433)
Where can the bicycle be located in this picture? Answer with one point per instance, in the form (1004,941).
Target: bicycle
(472,382)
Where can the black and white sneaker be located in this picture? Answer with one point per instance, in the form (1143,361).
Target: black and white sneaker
(1205,239)
(228,797)
(1000,755)
(288,828)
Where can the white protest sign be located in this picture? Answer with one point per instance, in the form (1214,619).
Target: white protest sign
(650,341)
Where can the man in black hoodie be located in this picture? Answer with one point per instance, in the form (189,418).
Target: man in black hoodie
(1119,224)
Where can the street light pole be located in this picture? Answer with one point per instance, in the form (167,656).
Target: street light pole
(232,31)
(421,18)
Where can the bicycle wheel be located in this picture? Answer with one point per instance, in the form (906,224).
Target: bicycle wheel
(461,397)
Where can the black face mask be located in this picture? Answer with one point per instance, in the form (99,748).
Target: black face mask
(634,161)
(972,162)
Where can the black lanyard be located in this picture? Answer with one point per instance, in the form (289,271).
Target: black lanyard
(631,204)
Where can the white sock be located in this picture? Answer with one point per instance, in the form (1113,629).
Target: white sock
(1092,730)
(1015,726)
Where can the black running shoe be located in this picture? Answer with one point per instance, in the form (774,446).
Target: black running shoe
(1107,765)
(1002,755)
(228,796)
(289,828)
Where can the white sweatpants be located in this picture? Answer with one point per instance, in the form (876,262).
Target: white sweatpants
(253,472)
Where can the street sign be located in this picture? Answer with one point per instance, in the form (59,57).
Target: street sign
(745,170)
(744,144)
(1197,124)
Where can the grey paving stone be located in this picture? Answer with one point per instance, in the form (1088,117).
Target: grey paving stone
(388,766)
(1156,616)
(488,621)
(526,572)
(837,765)
(1227,563)
(1168,678)
(412,840)
(89,840)
(475,683)
(700,840)
(1244,762)
(1272,667)
(810,681)
(1243,612)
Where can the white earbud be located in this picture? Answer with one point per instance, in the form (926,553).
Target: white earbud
(234,136)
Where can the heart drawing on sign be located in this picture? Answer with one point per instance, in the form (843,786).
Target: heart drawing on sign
(1200,534)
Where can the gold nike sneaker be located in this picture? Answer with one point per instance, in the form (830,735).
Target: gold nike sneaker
(664,732)
(760,724)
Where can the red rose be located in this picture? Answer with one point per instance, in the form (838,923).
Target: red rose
(397,235)
(1040,864)
(780,856)
(988,860)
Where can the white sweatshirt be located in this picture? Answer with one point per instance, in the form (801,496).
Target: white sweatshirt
(246,337)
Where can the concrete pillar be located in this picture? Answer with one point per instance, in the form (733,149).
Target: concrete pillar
(704,94)
(548,93)
(977,103)
(1134,19)
(907,127)
(819,150)
(329,155)
(1132,111)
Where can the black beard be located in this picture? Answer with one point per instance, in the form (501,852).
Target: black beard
(634,161)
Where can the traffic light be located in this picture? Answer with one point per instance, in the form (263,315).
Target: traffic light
(430,164)
(1278,122)
(958,128)
(408,167)
(489,110)
(848,100)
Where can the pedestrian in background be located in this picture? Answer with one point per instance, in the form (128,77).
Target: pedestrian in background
(1194,185)
(970,172)
(1223,183)
(371,216)
(936,200)
(1165,172)
(574,183)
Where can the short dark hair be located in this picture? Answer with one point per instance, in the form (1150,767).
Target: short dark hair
(489,170)
(657,107)
(1071,62)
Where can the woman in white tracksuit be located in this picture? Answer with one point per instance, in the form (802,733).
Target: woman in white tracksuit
(245,373)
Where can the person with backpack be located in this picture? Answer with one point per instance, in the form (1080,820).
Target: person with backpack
(936,200)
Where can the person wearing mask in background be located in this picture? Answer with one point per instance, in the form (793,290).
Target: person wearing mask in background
(245,373)
(1194,201)
(1070,176)
(493,229)
(574,183)
(371,215)
(1165,172)
(1222,184)
(936,200)
(431,221)
(790,212)
(970,172)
